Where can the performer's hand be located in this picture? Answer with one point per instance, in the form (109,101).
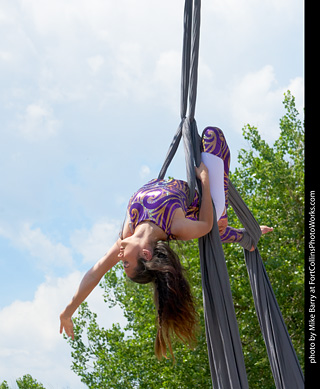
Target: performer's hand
(264,230)
(202,172)
(66,324)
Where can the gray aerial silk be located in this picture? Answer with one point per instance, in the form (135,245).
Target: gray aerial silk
(224,345)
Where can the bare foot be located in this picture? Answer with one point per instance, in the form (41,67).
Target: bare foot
(264,230)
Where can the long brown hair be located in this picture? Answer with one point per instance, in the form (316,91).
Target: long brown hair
(172,297)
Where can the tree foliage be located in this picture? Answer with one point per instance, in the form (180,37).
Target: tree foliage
(270,179)
(26,382)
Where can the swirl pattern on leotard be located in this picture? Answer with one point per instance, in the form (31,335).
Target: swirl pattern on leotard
(158,200)
(231,235)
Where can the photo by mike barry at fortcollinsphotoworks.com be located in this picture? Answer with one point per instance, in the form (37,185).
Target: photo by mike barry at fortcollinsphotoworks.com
(311,290)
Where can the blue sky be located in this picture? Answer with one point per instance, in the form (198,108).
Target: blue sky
(89,103)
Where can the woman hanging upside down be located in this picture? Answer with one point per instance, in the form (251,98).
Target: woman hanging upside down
(158,212)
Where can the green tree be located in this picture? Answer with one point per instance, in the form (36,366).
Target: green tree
(26,382)
(270,179)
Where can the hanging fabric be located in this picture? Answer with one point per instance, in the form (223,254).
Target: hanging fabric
(224,345)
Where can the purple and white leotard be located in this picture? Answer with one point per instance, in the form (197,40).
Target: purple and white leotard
(158,199)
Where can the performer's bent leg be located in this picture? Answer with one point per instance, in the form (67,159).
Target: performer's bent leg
(216,156)
(216,178)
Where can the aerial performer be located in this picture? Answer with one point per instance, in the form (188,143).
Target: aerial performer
(157,213)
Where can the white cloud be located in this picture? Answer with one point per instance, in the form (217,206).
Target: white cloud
(5,56)
(42,248)
(61,39)
(250,95)
(38,123)
(95,63)
(47,253)
(30,342)
(94,243)
(167,77)
(90,243)
(144,172)
(296,87)
(130,76)
(251,12)
(257,99)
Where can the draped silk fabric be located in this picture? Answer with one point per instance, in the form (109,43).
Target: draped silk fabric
(224,345)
